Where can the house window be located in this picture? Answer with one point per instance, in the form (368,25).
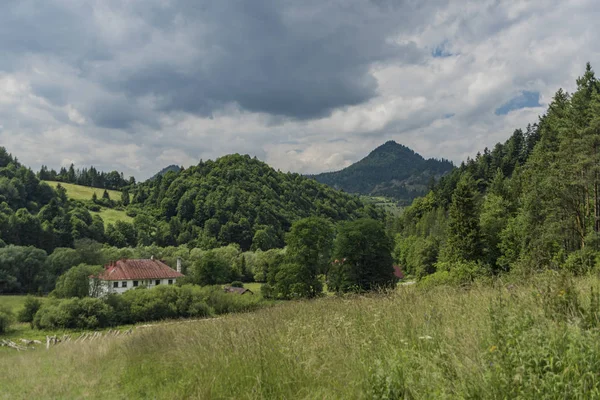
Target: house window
(115,284)
(157,282)
(135,283)
(170,281)
(124,284)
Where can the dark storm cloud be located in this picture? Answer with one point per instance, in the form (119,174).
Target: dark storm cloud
(293,59)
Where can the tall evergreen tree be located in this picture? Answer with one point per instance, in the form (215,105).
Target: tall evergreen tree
(464,242)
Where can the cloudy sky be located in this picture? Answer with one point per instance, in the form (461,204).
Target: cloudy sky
(307,86)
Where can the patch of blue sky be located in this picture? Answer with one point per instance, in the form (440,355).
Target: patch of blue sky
(525,99)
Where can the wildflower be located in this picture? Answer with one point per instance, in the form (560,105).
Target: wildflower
(493,349)
(561,293)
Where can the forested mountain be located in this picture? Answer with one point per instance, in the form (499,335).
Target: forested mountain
(172,167)
(531,203)
(235,199)
(391,170)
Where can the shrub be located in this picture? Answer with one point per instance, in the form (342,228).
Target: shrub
(86,313)
(224,303)
(6,318)
(239,284)
(30,307)
(151,304)
(191,302)
(94,207)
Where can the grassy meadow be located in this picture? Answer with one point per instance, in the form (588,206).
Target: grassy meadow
(532,339)
(110,216)
(78,192)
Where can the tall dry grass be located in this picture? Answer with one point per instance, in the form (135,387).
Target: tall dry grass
(484,342)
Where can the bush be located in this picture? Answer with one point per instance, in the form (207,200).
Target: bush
(191,302)
(6,318)
(239,284)
(30,307)
(86,313)
(141,305)
(456,273)
(93,207)
(224,303)
(152,304)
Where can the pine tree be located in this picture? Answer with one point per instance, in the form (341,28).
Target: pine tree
(125,197)
(464,241)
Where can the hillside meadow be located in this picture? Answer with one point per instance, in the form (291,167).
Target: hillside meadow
(526,339)
(79,192)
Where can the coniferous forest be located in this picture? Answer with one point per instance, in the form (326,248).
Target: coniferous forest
(531,203)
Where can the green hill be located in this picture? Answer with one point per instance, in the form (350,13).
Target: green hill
(238,199)
(391,170)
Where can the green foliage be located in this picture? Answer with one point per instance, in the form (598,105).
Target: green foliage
(237,199)
(363,260)
(464,240)
(211,269)
(308,252)
(6,319)
(23,269)
(75,313)
(238,284)
(30,308)
(390,170)
(142,305)
(77,282)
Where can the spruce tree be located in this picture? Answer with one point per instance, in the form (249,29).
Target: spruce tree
(125,197)
(464,241)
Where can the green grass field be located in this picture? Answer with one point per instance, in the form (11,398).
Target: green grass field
(110,216)
(78,192)
(13,303)
(520,340)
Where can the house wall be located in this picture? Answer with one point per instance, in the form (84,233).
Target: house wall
(107,287)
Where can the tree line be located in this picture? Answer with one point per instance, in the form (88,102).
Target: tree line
(531,203)
(87,177)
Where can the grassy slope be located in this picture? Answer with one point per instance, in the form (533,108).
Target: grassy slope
(78,192)
(434,344)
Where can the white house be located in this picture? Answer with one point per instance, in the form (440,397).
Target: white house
(123,275)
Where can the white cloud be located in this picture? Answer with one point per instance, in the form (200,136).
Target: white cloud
(118,88)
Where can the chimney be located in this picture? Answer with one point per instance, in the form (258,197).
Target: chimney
(152,257)
(179,264)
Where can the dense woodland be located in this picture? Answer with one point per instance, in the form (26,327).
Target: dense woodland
(531,203)
(235,200)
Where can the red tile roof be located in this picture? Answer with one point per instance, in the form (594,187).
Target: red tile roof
(138,269)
